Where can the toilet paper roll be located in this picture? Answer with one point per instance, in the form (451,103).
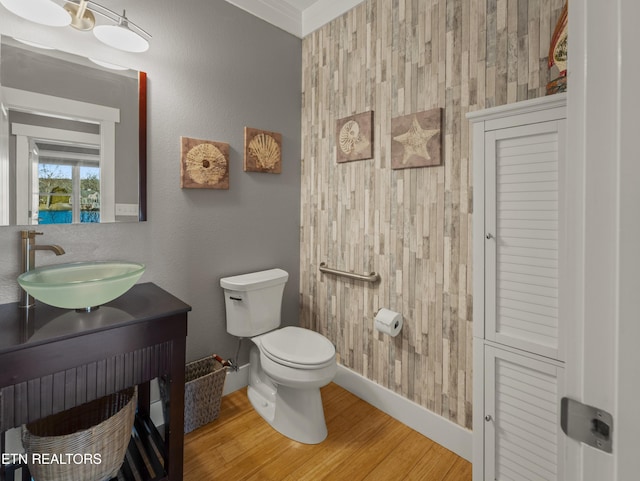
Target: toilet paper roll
(388,322)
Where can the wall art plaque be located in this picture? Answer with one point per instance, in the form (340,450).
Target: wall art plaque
(262,151)
(417,140)
(204,164)
(354,137)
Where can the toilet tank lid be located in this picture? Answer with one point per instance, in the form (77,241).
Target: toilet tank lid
(254,280)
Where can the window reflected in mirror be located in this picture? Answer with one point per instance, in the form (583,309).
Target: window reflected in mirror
(68,182)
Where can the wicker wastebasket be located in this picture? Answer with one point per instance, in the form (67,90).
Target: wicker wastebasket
(204,381)
(89,441)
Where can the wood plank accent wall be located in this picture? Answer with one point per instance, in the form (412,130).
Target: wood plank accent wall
(413,226)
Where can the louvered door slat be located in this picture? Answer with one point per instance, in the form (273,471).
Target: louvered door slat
(536,433)
(524,222)
(532,470)
(527,316)
(535,333)
(528,288)
(541,300)
(532,280)
(529,167)
(530,213)
(528,196)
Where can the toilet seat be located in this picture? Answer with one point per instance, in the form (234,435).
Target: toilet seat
(298,348)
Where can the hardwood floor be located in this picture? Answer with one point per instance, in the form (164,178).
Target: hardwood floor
(363,444)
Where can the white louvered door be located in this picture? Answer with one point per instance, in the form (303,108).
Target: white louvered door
(522,437)
(521,251)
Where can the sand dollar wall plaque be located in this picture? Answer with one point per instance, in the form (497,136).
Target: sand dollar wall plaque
(262,151)
(204,164)
(416,140)
(354,137)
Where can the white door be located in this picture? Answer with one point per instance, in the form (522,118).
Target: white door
(521,186)
(603,203)
(523,439)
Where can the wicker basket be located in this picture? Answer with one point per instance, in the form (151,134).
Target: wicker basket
(89,441)
(204,380)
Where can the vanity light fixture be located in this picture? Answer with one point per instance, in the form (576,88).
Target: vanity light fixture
(122,34)
(118,33)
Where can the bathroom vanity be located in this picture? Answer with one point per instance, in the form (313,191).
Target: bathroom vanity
(53,359)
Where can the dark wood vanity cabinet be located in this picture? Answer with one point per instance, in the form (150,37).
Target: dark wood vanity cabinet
(54,359)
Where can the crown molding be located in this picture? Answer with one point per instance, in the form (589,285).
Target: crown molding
(299,22)
(276,12)
(323,11)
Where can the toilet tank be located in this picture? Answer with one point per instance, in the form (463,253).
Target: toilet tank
(254,301)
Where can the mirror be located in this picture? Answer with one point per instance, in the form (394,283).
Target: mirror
(72,138)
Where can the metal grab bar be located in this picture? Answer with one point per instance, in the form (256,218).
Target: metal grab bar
(371,277)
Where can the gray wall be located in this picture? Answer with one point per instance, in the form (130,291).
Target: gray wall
(213,69)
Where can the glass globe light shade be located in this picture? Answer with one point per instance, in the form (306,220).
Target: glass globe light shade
(121,37)
(44,12)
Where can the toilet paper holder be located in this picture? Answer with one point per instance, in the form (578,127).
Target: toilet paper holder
(397,321)
(388,322)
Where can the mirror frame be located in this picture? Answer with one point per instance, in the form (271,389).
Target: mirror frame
(142,146)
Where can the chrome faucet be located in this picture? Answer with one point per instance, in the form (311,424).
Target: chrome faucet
(29,248)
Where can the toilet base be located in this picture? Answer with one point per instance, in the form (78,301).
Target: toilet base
(296,413)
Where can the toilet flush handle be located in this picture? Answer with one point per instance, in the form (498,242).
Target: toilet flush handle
(235,298)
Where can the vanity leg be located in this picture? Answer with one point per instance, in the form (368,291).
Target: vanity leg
(8,471)
(144,399)
(3,448)
(174,436)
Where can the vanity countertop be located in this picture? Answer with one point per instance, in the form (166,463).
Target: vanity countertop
(20,328)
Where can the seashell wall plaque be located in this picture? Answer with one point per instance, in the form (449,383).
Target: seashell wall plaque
(204,164)
(354,137)
(416,140)
(262,151)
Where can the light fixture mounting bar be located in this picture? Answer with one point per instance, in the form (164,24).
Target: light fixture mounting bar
(107,13)
(81,18)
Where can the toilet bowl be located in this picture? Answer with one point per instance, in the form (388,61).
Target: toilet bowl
(286,391)
(288,365)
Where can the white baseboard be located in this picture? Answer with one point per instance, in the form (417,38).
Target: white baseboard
(444,432)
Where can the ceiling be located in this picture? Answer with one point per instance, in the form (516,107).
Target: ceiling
(298,17)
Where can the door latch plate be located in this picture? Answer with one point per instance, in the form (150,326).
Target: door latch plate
(587,424)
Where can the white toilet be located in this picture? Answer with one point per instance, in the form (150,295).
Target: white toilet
(288,366)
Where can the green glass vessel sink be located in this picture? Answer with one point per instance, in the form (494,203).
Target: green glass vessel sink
(81,285)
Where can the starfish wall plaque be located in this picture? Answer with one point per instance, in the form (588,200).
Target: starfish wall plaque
(416,140)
